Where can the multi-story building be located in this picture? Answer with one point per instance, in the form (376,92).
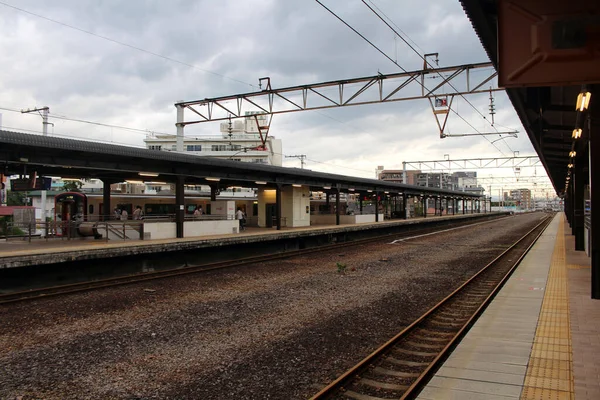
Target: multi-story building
(396,176)
(240,140)
(522,198)
(465,181)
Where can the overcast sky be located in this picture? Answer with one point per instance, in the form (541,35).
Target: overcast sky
(217,48)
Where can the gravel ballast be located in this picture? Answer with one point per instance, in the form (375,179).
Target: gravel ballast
(275,330)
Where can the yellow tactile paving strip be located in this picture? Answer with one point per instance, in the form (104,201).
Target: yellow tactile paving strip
(550,370)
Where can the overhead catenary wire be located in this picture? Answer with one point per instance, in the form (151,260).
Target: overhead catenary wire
(433,68)
(171,59)
(127,128)
(404,70)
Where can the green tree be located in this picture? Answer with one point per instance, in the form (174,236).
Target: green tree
(16,198)
(72,186)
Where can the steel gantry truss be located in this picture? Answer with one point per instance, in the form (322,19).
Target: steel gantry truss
(434,84)
(478,163)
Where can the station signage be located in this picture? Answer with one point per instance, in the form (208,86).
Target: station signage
(27,184)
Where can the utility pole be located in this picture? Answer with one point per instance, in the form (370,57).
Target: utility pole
(302,157)
(43,111)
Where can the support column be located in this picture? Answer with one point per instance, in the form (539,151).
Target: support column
(179,206)
(179,125)
(454,204)
(464,206)
(106,212)
(424,207)
(594,154)
(405,205)
(360,203)
(376,206)
(337,206)
(214,190)
(278,206)
(579,179)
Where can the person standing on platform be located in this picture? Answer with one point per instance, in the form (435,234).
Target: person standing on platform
(116,213)
(137,214)
(239,215)
(124,215)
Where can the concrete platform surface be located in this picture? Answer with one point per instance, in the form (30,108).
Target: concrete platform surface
(538,339)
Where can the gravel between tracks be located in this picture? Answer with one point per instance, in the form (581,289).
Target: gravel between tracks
(276,330)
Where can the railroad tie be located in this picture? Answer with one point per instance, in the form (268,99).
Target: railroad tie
(429,338)
(405,363)
(358,396)
(383,385)
(446,323)
(425,345)
(449,319)
(434,333)
(415,353)
(399,374)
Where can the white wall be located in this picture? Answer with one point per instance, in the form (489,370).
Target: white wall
(168,230)
(295,206)
(204,228)
(329,219)
(223,207)
(160,230)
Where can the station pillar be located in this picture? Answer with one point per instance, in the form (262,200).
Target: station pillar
(464,206)
(594,154)
(376,195)
(424,207)
(337,206)
(278,206)
(405,205)
(578,225)
(179,206)
(106,211)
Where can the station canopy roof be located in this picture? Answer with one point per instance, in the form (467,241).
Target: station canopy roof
(547,111)
(24,154)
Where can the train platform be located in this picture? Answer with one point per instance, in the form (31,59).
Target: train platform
(39,251)
(540,336)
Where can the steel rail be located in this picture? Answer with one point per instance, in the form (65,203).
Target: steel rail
(337,387)
(46,292)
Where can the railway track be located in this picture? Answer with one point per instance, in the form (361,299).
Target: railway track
(402,366)
(39,293)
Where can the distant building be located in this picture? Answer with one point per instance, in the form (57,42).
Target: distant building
(240,140)
(522,198)
(396,176)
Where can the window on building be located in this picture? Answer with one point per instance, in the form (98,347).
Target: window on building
(194,147)
(226,147)
(155,147)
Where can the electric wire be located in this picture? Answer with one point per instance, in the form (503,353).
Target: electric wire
(427,63)
(147,52)
(127,128)
(404,70)
(127,45)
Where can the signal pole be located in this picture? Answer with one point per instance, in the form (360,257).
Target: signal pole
(44,111)
(302,157)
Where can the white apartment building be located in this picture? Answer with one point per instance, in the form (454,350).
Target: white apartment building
(240,140)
